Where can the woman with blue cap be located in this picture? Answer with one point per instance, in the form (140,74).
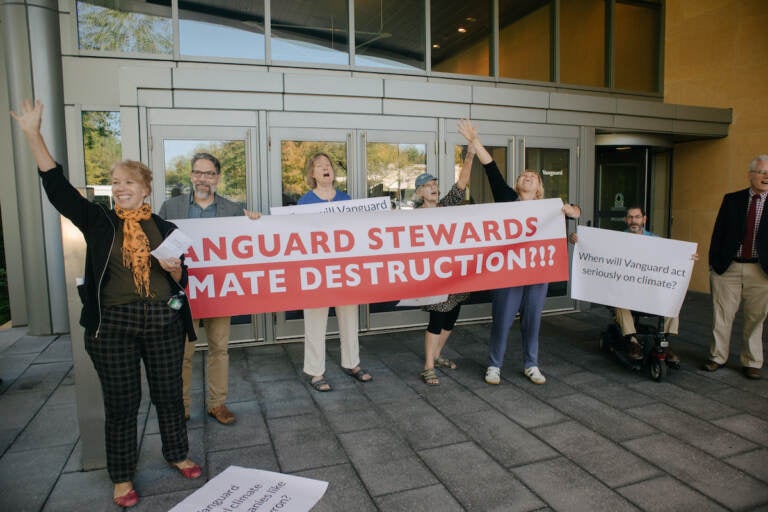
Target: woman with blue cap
(442,316)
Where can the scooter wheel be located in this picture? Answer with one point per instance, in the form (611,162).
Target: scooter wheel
(603,343)
(657,369)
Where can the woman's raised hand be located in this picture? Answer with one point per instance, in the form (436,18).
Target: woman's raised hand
(29,121)
(31,116)
(467,129)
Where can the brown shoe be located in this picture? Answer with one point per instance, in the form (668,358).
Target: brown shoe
(751,373)
(671,357)
(635,349)
(712,366)
(222,414)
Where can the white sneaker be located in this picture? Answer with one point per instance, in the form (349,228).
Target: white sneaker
(535,375)
(493,375)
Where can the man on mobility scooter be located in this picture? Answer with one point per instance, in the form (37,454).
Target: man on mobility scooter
(625,332)
(636,220)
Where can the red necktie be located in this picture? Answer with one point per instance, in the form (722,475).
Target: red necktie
(749,234)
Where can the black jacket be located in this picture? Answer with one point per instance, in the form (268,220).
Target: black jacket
(99,227)
(502,193)
(729,229)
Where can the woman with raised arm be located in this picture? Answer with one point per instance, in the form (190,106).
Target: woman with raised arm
(134,307)
(321,178)
(528,299)
(442,316)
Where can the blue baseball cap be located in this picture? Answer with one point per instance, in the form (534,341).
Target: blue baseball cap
(424,178)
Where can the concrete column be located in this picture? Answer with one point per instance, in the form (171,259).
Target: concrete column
(33,65)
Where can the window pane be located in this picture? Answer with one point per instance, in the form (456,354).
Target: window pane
(230,153)
(478,183)
(582,42)
(106,27)
(206,29)
(461,38)
(102,146)
(389,34)
(311,31)
(294,156)
(479,191)
(525,39)
(392,170)
(552,166)
(636,47)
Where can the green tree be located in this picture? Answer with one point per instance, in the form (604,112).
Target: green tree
(102,145)
(104,29)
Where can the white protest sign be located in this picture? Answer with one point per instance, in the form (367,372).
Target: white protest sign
(642,273)
(238,489)
(369,205)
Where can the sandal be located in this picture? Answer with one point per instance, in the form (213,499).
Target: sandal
(430,377)
(321,385)
(444,362)
(360,374)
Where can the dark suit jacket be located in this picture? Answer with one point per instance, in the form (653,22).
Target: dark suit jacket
(729,231)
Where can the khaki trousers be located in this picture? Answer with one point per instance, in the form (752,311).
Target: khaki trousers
(217,367)
(627,323)
(747,283)
(315,325)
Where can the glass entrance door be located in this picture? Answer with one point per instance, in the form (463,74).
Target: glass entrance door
(555,161)
(501,147)
(632,176)
(172,149)
(290,150)
(393,161)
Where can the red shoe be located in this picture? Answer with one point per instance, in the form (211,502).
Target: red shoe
(190,473)
(128,499)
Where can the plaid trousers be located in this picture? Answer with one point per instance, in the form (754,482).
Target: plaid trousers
(154,333)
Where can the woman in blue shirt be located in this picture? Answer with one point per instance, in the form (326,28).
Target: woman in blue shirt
(321,178)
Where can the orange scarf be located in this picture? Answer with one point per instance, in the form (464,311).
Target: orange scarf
(136,245)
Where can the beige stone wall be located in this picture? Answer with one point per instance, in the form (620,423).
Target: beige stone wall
(716,55)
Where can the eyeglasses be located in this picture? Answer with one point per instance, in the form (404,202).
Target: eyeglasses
(763,172)
(204,174)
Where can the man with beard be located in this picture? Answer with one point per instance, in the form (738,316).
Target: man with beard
(204,202)
(636,220)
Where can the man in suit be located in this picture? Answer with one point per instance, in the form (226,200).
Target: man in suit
(204,202)
(738,260)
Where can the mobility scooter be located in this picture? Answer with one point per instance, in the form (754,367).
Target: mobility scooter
(650,334)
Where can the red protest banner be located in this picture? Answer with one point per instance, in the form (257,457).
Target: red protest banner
(278,263)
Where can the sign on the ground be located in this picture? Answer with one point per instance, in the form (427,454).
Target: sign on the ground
(238,489)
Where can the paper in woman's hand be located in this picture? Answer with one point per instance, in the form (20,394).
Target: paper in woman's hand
(173,246)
